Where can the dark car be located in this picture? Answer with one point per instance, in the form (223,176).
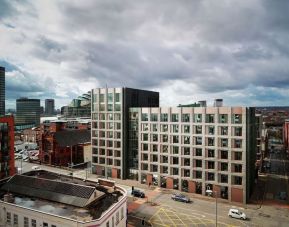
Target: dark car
(137,193)
(181,198)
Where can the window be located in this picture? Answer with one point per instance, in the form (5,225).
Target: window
(144,117)
(224,178)
(175,161)
(185,117)
(110,97)
(211,141)
(101,98)
(224,130)
(224,154)
(187,151)
(15,219)
(102,107)
(186,173)
(238,156)
(175,128)
(144,157)
(165,159)
(223,118)
(187,162)
(237,119)
(165,170)
(198,174)
(199,140)
(187,139)
(109,107)
(155,148)
(237,143)
(237,180)
(107,224)
(199,152)
(154,127)
(116,107)
(211,153)
(198,163)
(33,223)
(53,226)
(186,129)
(175,139)
(164,128)
(198,118)
(145,127)
(155,137)
(198,129)
(224,166)
(224,142)
(165,138)
(211,165)
(238,131)
(211,176)
(117,117)
(117,97)
(26,222)
(210,118)
(164,117)
(145,137)
(175,117)
(238,168)
(175,171)
(175,150)
(154,117)
(145,147)
(211,130)
(155,158)
(8,218)
(165,149)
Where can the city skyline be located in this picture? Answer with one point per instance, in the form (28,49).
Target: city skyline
(187,51)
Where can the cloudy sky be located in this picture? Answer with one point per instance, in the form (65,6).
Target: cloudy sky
(188,50)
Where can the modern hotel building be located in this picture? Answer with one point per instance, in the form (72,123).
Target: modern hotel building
(192,149)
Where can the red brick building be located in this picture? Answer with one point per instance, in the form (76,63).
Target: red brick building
(32,135)
(286,135)
(60,146)
(7,147)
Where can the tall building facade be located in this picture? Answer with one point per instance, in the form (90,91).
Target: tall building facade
(27,111)
(49,107)
(7,147)
(2,91)
(110,127)
(198,149)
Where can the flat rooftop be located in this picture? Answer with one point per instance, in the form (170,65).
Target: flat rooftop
(66,196)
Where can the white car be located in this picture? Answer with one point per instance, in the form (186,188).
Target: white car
(235,213)
(35,168)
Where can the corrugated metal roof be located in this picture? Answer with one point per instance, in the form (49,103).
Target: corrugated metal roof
(67,193)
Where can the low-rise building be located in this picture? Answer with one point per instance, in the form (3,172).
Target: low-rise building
(63,147)
(49,200)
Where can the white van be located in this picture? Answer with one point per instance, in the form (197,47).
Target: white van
(235,213)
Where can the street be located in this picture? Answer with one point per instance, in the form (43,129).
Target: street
(159,209)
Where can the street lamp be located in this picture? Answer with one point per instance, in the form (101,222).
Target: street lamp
(214,193)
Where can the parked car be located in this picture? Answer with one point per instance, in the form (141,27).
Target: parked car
(181,198)
(138,193)
(235,213)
